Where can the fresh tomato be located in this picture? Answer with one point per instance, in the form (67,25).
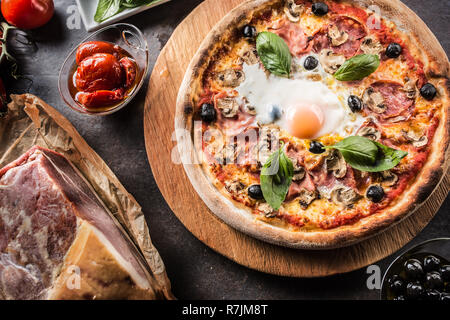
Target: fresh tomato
(27,14)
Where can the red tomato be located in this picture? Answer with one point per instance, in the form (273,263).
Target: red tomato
(92,47)
(100,98)
(27,14)
(100,71)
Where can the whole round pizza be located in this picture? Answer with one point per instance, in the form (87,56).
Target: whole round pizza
(315,124)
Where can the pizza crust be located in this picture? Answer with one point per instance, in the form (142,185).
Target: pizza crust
(240,217)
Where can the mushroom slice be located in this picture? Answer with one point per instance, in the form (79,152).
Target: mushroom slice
(228,106)
(410,88)
(306,197)
(337,37)
(370,45)
(389,178)
(345,196)
(330,61)
(299,173)
(416,140)
(267,210)
(230,77)
(250,57)
(370,133)
(234,186)
(373,100)
(293,10)
(335,162)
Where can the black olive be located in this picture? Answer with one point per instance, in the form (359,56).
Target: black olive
(255,192)
(431,263)
(393,50)
(400,297)
(319,9)
(413,269)
(375,193)
(428,91)
(316,147)
(354,103)
(310,63)
(445,273)
(445,297)
(433,280)
(414,290)
(432,295)
(396,284)
(249,31)
(208,113)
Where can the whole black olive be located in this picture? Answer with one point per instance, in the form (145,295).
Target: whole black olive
(396,284)
(428,91)
(354,103)
(249,32)
(433,280)
(255,192)
(413,269)
(316,147)
(310,63)
(431,263)
(319,9)
(445,273)
(414,290)
(432,295)
(393,50)
(375,193)
(208,113)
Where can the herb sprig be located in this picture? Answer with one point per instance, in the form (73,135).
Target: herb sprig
(274,53)
(109,8)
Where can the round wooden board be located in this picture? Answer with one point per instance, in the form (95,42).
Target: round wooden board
(189,208)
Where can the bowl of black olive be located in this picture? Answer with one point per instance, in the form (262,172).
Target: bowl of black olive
(420,273)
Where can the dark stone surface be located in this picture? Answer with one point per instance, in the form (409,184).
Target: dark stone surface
(195,270)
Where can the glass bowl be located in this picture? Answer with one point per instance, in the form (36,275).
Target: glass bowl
(127,37)
(439,247)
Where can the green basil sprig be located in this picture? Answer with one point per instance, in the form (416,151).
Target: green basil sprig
(366,155)
(274,53)
(276,177)
(358,67)
(108,8)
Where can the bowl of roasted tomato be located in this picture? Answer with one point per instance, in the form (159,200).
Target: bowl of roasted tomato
(421,273)
(105,71)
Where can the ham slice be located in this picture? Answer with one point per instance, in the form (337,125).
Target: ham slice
(294,36)
(57,239)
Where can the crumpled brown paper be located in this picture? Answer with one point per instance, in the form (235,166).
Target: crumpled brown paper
(30,121)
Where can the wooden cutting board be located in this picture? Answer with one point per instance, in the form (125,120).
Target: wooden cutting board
(189,208)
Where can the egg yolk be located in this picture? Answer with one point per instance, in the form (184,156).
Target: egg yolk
(304,121)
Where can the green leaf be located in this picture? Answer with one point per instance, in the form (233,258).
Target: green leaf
(106,9)
(276,177)
(366,155)
(358,67)
(138,3)
(274,53)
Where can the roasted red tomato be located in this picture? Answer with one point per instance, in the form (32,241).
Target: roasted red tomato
(100,98)
(130,70)
(92,47)
(27,14)
(101,71)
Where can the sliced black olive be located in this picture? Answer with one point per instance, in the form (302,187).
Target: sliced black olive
(428,91)
(396,284)
(354,103)
(431,263)
(445,273)
(319,9)
(413,269)
(393,50)
(249,32)
(310,63)
(433,280)
(255,192)
(208,113)
(375,193)
(432,295)
(316,147)
(414,290)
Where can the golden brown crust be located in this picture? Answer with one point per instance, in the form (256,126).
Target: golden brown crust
(238,217)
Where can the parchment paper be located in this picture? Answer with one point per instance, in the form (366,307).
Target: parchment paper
(30,121)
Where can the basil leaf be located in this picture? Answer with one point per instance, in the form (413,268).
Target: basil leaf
(366,155)
(276,177)
(274,53)
(138,3)
(358,67)
(106,9)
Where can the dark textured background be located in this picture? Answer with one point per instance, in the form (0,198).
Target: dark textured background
(196,271)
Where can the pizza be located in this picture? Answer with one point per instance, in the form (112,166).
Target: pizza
(315,124)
